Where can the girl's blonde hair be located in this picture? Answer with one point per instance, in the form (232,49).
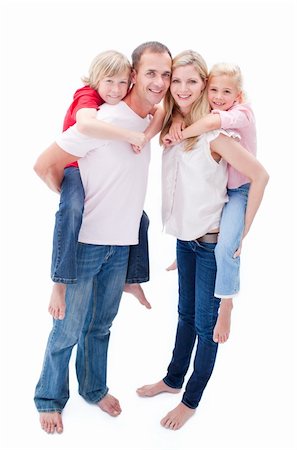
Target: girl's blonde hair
(199,108)
(106,64)
(230,70)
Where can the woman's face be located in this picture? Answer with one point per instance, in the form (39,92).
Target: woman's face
(186,87)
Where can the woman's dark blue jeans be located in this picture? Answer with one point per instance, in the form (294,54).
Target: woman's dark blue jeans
(197,316)
(67,226)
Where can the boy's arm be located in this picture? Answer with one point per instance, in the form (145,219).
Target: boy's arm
(207,123)
(50,166)
(87,123)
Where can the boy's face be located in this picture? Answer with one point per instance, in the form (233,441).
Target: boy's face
(222,92)
(152,77)
(113,89)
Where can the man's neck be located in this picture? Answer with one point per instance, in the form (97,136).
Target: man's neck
(140,107)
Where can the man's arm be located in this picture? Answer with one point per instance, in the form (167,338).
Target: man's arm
(50,166)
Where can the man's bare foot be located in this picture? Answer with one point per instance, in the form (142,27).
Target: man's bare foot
(222,327)
(57,304)
(136,290)
(51,422)
(110,405)
(172,266)
(176,418)
(150,390)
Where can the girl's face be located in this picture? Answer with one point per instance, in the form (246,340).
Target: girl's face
(113,89)
(222,92)
(186,87)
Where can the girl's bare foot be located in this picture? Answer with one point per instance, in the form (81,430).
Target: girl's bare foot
(172,266)
(51,422)
(57,305)
(110,405)
(222,328)
(150,390)
(136,290)
(176,418)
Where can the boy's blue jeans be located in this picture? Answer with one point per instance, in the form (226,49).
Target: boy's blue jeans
(231,229)
(91,305)
(197,316)
(67,226)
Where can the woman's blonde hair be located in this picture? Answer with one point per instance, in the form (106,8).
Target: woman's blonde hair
(231,70)
(199,108)
(106,64)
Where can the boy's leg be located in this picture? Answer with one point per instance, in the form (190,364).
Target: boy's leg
(91,360)
(67,226)
(227,279)
(138,265)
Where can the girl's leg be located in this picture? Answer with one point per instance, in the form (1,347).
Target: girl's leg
(138,265)
(67,226)
(227,279)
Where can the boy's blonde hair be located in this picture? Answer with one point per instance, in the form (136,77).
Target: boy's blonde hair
(106,64)
(232,71)
(199,108)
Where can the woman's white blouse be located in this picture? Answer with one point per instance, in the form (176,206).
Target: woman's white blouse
(193,189)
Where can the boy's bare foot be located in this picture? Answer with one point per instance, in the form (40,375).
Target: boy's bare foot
(136,290)
(150,390)
(51,422)
(222,327)
(176,418)
(110,405)
(57,304)
(172,266)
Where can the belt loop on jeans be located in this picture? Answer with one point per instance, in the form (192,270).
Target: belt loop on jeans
(210,238)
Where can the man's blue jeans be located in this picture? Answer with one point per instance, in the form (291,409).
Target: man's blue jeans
(231,230)
(67,226)
(197,316)
(91,305)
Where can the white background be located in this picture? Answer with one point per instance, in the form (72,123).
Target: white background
(46,47)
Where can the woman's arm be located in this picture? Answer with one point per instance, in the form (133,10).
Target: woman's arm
(88,124)
(156,123)
(50,166)
(248,165)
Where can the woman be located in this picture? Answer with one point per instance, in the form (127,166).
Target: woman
(194,193)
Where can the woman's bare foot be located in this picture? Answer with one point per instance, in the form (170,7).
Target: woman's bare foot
(136,290)
(172,266)
(110,405)
(176,418)
(51,422)
(222,328)
(150,390)
(57,305)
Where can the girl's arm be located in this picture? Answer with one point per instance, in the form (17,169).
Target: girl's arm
(88,124)
(247,164)
(50,166)
(207,123)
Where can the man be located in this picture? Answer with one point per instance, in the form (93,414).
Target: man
(115,181)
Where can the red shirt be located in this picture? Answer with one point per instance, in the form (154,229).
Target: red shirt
(85,97)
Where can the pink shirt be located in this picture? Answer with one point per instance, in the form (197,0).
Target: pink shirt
(240,118)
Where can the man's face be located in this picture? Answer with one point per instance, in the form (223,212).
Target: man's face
(152,77)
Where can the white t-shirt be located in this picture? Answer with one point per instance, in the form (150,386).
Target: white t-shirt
(193,189)
(114,179)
